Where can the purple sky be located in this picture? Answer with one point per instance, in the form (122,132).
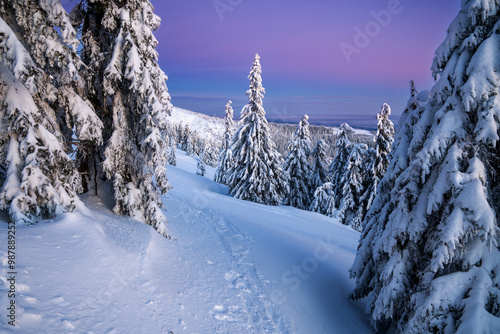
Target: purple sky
(207,55)
(304,69)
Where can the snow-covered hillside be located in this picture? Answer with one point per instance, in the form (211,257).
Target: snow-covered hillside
(235,267)
(197,122)
(213,125)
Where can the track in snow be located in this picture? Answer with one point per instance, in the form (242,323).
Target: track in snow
(254,310)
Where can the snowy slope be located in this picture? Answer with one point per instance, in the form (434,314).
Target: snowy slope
(198,122)
(235,267)
(213,125)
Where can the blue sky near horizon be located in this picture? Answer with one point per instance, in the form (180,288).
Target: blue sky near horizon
(207,53)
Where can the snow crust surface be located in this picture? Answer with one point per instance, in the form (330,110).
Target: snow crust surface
(235,267)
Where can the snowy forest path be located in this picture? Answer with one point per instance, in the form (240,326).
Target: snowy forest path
(261,244)
(262,315)
(255,311)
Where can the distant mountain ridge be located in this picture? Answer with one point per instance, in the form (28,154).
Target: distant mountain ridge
(211,124)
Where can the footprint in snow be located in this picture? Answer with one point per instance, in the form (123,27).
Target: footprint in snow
(68,325)
(226,314)
(30,300)
(30,317)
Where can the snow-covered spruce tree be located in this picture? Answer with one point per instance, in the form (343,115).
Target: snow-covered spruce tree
(178,133)
(367,197)
(256,174)
(411,122)
(171,142)
(297,166)
(350,209)
(192,144)
(62,95)
(228,123)
(324,200)
(226,155)
(428,260)
(319,174)
(41,102)
(339,164)
(41,180)
(200,167)
(185,133)
(383,141)
(209,153)
(377,164)
(172,157)
(127,84)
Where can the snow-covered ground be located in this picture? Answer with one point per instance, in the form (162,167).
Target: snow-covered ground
(235,267)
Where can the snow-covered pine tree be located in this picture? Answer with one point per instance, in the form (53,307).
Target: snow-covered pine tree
(40,92)
(412,122)
(319,174)
(200,167)
(226,155)
(339,164)
(378,163)
(210,153)
(350,209)
(127,84)
(324,200)
(383,142)
(185,133)
(171,142)
(256,174)
(199,144)
(228,123)
(178,133)
(297,166)
(192,142)
(41,181)
(54,53)
(366,198)
(172,157)
(428,260)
